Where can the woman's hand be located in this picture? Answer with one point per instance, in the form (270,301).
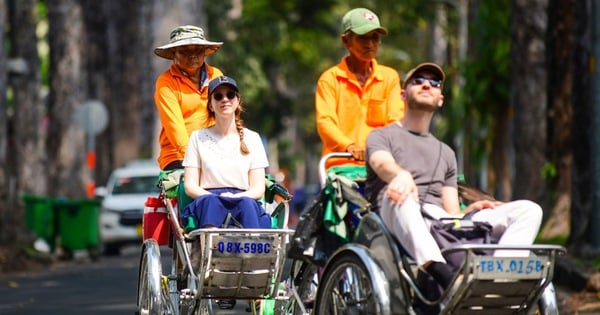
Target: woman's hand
(229,194)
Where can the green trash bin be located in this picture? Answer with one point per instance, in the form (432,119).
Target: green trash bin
(78,223)
(40,217)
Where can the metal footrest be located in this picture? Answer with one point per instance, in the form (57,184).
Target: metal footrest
(502,285)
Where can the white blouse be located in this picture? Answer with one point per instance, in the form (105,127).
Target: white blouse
(221,162)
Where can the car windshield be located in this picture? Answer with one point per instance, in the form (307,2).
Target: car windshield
(136,185)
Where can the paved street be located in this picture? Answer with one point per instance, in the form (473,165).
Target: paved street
(105,287)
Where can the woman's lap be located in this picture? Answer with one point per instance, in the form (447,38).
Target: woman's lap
(212,210)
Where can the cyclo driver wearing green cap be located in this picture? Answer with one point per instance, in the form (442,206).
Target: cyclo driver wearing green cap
(358,94)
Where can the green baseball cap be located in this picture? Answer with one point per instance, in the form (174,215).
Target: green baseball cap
(361,21)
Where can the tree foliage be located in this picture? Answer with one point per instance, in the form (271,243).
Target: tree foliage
(481,109)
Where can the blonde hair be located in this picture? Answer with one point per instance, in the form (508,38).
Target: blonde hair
(239,123)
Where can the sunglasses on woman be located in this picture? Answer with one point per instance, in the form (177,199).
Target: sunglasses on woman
(219,96)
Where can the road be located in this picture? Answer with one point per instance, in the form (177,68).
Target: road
(105,287)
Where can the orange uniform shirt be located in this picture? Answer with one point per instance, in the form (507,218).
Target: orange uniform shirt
(182,109)
(346,112)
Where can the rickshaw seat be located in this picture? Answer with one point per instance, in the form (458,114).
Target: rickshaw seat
(273,201)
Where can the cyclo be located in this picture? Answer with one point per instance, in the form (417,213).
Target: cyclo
(230,263)
(371,273)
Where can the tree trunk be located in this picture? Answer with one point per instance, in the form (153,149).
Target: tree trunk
(114,74)
(561,37)
(527,96)
(27,146)
(582,194)
(499,168)
(147,114)
(96,64)
(67,174)
(7,234)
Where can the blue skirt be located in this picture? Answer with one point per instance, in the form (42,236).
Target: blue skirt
(212,209)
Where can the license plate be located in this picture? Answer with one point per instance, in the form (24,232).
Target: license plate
(489,267)
(240,248)
(244,245)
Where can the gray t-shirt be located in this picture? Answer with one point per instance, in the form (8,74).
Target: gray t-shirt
(418,154)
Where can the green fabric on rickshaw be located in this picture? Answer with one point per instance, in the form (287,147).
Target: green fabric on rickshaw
(273,189)
(170,180)
(352,172)
(337,207)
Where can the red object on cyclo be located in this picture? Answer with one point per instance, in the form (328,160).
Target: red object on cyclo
(156,221)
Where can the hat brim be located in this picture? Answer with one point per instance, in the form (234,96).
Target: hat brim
(427,66)
(168,52)
(234,87)
(368,28)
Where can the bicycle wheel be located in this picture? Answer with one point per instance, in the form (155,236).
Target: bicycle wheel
(305,278)
(346,288)
(547,304)
(149,298)
(205,307)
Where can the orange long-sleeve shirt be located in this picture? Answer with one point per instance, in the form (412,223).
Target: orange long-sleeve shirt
(347,112)
(182,109)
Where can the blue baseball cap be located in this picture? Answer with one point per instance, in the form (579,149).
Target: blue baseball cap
(219,81)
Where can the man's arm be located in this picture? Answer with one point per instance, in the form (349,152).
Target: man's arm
(450,200)
(401,184)
(170,114)
(384,165)
(452,204)
(327,118)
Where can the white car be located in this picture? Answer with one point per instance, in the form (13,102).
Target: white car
(123,202)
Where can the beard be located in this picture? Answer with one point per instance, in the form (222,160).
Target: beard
(415,104)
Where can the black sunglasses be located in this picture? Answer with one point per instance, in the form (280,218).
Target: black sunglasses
(219,96)
(433,82)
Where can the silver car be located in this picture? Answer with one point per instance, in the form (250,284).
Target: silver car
(123,202)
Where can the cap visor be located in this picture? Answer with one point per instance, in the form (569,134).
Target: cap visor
(368,28)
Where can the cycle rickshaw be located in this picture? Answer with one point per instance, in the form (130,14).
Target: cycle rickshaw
(230,263)
(372,274)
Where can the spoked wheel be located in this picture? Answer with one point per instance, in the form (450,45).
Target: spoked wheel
(206,307)
(149,296)
(346,288)
(547,304)
(305,279)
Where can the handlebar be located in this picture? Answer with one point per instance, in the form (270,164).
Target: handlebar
(322,162)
